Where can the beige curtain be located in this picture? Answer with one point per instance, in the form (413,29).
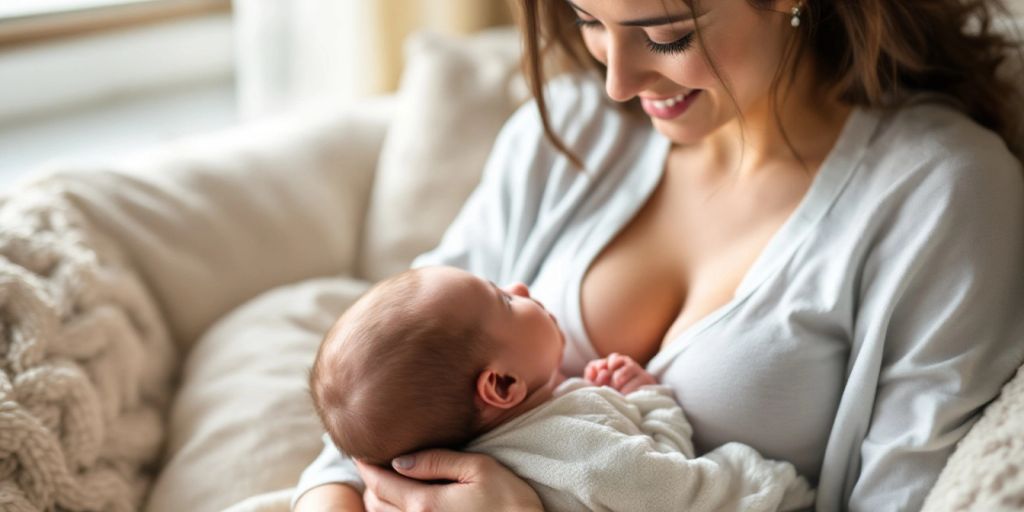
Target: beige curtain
(398,18)
(293,53)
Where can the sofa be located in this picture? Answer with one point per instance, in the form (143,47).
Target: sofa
(160,312)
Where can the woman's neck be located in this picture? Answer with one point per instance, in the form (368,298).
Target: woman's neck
(811,121)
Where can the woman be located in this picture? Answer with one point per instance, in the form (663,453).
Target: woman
(810,228)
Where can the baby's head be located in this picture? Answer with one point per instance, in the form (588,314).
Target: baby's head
(431,358)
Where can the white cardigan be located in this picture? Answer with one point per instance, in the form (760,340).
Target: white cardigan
(863,341)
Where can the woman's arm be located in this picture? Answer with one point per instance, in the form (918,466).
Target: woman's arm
(938,328)
(332,474)
(330,497)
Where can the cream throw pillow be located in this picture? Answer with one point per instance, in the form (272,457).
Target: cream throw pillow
(454,97)
(211,222)
(1014,68)
(242,423)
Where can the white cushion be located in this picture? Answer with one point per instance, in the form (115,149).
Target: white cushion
(984,472)
(210,222)
(1015,69)
(454,97)
(242,423)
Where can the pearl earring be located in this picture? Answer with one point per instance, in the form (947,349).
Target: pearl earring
(795,20)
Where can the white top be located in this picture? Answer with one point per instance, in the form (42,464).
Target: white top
(591,448)
(864,339)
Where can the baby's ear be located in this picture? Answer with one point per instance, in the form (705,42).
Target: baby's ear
(500,390)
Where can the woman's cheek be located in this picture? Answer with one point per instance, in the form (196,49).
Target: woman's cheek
(595,45)
(693,71)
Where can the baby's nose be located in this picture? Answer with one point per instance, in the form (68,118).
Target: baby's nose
(519,289)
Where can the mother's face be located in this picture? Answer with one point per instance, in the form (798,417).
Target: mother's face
(650,50)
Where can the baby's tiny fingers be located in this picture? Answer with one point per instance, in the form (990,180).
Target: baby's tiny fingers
(592,368)
(630,387)
(626,374)
(638,381)
(616,361)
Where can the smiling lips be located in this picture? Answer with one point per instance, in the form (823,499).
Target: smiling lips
(669,108)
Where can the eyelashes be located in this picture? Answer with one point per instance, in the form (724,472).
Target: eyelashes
(580,22)
(678,46)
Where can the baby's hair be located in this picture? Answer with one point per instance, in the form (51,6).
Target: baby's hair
(392,377)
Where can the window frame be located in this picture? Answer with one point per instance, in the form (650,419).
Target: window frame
(47,25)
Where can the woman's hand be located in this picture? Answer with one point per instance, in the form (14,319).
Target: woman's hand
(478,482)
(618,371)
(333,497)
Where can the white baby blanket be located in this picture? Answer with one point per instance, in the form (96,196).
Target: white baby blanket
(591,448)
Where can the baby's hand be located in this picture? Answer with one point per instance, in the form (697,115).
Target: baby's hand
(618,371)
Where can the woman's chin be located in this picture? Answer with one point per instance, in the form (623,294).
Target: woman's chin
(679,133)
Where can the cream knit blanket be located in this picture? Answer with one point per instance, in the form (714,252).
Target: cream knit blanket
(986,473)
(85,363)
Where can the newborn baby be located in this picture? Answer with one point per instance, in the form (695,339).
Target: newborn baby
(437,357)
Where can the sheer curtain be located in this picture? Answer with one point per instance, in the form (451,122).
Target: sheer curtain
(297,53)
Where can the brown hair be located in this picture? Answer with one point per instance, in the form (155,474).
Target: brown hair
(391,378)
(873,52)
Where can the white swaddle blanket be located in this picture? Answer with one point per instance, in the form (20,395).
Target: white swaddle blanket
(591,448)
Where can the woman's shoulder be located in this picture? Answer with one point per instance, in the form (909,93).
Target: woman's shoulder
(931,130)
(929,144)
(929,170)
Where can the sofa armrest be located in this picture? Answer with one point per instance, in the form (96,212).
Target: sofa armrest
(212,221)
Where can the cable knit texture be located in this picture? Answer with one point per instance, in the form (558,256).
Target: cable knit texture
(85,363)
(987,470)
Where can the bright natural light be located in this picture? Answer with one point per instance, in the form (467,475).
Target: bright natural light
(25,8)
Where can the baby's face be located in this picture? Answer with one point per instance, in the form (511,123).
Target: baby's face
(527,334)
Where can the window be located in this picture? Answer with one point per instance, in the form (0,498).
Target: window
(26,8)
(24,21)
(96,78)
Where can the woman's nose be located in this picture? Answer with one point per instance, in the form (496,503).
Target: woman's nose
(625,76)
(519,289)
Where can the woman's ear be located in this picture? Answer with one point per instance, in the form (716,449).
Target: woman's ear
(500,390)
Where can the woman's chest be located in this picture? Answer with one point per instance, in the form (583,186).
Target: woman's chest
(767,382)
(678,260)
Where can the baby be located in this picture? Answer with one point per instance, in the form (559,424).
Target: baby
(437,357)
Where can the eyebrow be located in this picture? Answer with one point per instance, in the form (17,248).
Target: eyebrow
(644,22)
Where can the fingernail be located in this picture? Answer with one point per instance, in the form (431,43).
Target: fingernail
(404,462)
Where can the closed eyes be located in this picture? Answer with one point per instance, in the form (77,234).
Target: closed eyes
(678,46)
(505,296)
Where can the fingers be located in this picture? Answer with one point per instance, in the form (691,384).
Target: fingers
(441,465)
(374,504)
(617,361)
(618,371)
(592,368)
(387,487)
(631,377)
(626,374)
(597,372)
(636,383)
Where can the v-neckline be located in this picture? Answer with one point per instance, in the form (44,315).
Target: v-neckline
(829,181)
